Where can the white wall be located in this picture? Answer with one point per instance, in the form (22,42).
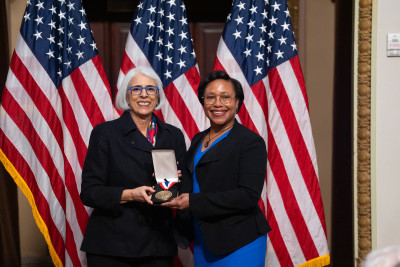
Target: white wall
(387,130)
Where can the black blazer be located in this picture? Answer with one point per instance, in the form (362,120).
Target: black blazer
(118,158)
(231,177)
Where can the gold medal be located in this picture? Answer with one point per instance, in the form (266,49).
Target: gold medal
(163,195)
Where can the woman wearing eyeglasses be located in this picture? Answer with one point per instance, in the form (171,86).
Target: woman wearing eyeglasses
(125,229)
(226,165)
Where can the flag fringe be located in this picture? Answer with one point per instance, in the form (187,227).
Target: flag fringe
(317,262)
(28,194)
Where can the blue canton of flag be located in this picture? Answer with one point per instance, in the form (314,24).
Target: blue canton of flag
(161,29)
(59,35)
(260,36)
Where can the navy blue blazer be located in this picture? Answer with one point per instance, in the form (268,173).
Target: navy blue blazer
(118,158)
(231,177)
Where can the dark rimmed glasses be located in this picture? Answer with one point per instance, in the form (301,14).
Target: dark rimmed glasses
(137,89)
(225,99)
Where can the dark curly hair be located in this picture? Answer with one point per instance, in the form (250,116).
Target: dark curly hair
(216,75)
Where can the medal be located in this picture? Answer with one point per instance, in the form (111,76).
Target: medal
(163,195)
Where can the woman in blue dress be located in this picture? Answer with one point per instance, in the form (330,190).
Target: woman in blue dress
(223,178)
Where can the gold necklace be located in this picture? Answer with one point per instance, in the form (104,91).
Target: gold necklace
(209,139)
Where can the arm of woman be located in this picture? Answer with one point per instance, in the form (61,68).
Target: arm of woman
(251,173)
(96,192)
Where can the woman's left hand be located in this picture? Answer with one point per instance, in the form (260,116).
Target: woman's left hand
(181,202)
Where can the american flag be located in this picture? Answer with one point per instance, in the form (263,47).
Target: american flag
(258,48)
(56,91)
(159,37)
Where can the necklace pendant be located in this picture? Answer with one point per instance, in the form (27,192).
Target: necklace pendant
(206,144)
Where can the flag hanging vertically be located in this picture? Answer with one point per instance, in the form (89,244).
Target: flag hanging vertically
(56,91)
(159,37)
(258,48)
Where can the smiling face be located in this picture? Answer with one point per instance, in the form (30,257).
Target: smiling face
(142,105)
(220,114)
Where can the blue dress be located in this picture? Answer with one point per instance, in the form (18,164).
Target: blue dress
(252,254)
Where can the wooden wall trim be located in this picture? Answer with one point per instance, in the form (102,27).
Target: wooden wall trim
(364,130)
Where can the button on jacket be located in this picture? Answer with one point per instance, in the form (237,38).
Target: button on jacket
(231,176)
(118,158)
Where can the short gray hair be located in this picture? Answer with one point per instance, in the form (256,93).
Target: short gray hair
(383,257)
(120,100)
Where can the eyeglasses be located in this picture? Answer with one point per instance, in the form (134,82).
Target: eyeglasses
(211,99)
(137,89)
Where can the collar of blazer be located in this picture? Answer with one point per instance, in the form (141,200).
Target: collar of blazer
(213,153)
(127,126)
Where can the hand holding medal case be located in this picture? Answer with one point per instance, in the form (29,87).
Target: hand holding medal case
(166,174)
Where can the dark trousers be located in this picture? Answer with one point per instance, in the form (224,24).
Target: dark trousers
(95,260)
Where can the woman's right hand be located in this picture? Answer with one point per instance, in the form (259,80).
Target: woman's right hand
(138,194)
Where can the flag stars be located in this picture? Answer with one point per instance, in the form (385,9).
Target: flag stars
(152,9)
(40,5)
(81,40)
(62,2)
(79,54)
(161,26)
(61,15)
(287,12)
(26,16)
(160,40)
(140,5)
(82,25)
(241,5)
(167,74)
(93,45)
(171,3)
(183,7)
(260,56)
(149,38)
(183,35)
(183,21)
(60,44)
(60,30)
(269,48)
(69,49)
(249,38)
(247,52)
(51,39)
(71,6)
(263,28)
(261,42)
(59,73)
(279,54)
(273,20)
(69,35)
(68,64)
(258,70)
(50,54)
(168,59)
(150,23)
(264,14)
(285,26)
(182,49)
(70,20)
(83,12)
(251,24)
(52,24)
(294,46)
(237,34)
(253,9)
(161,12)
(276,6)
(159,55)
(171,16)
(239,20)
(53,10)
(38,34)
(181,64)
(39,20)
(138,20)
(282,40)
(271,34)
(170,31)
(169,45)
